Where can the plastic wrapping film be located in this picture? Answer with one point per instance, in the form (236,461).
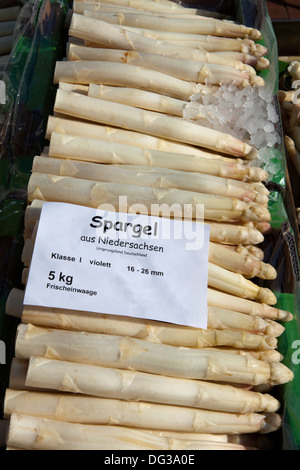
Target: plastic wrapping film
(28,75)
(39,42)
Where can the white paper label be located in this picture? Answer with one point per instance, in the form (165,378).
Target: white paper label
(118,263)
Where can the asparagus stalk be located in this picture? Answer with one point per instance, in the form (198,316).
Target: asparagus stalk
(147,5)
(240,263)
(34,433)
(127,75)
(144,356)
(207,42)
(103,150)
(192,42)
(272,355)
(50,374)
(232,302)
(150,177)
(140,99)
(113,36)
(169,127)
(149,201)
(76,128)
(104,411)
(193,24)
(234,324)
(240,170)
(237,285)
(181,68)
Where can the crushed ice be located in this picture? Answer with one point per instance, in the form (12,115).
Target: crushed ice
(248,114)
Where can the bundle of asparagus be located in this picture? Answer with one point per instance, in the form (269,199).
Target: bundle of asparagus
(82,380)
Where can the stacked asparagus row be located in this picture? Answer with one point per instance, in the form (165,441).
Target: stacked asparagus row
(81,380)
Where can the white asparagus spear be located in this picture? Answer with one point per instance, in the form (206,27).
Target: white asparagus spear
(232,302)
(243,264)
(113,36)
(147,5)
(237,285)
(105,411)
(140,99)
(169,127)
(211,75)
(98,323)
(241,170)
(33,433)
(150,177)
(149,201)
(77,128)
(117,74)
(51,374)
(199,25)
(80,8)
(92,149)
(135,354)
(272,355)
(209,43)
(173,7)
(218,318)
(192,42)
(198,181)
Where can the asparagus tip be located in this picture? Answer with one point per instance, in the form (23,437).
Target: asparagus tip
(257,174)
(283,315)
(255,34)
(252,153)
(280,373)
(267,271)
(272,422)
(266,296)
